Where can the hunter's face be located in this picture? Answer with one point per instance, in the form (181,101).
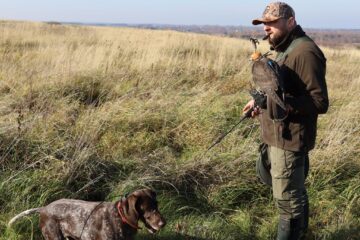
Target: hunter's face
(277,30)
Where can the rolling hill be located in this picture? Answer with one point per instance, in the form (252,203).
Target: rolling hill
(94,112)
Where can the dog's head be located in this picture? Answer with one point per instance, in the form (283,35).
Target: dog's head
(142,205)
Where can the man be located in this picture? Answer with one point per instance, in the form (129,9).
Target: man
(289,139)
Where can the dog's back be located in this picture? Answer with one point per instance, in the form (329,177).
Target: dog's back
(81,219)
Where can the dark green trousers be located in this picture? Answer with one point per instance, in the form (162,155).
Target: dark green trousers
(288,173)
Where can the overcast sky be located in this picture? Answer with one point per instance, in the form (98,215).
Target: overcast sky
(310,14)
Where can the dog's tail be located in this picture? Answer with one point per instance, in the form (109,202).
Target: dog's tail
(23,214)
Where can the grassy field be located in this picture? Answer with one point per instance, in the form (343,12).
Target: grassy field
(95,112)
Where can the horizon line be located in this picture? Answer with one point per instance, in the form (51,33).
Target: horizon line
(169,24)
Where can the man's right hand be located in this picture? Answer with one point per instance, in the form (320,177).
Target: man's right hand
(251,105)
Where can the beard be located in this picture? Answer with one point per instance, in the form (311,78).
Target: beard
(278,38)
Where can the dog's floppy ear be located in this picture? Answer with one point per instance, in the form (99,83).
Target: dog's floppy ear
(131,208)
(135,200)
(133,204)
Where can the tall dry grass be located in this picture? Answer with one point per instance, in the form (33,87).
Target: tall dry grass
(93,112)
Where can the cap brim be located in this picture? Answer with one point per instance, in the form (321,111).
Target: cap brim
(258,21)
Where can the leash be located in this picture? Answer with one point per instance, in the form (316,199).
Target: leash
(82,231)
(222,136)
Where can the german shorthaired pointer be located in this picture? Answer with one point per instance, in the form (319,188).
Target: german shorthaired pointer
(82,220)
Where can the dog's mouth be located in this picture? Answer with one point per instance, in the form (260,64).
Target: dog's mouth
(152,229)
(153,222)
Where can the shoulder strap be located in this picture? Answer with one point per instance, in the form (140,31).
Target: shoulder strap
(282,55)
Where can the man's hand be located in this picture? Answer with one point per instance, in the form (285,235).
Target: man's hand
(251,105)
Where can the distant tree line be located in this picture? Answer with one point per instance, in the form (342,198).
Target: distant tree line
(324,37)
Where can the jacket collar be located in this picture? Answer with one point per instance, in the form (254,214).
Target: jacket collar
(297,32)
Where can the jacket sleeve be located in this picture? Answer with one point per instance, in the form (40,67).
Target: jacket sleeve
(310,66)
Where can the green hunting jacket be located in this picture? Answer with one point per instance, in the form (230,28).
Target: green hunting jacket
(306,96)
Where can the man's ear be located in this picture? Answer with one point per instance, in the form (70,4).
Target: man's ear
(291,22)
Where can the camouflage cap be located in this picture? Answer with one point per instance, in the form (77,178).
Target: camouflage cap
(275,11)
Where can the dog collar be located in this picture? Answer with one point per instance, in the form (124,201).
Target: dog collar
(123,218)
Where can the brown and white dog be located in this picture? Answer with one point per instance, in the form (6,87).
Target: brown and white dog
(82,220)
